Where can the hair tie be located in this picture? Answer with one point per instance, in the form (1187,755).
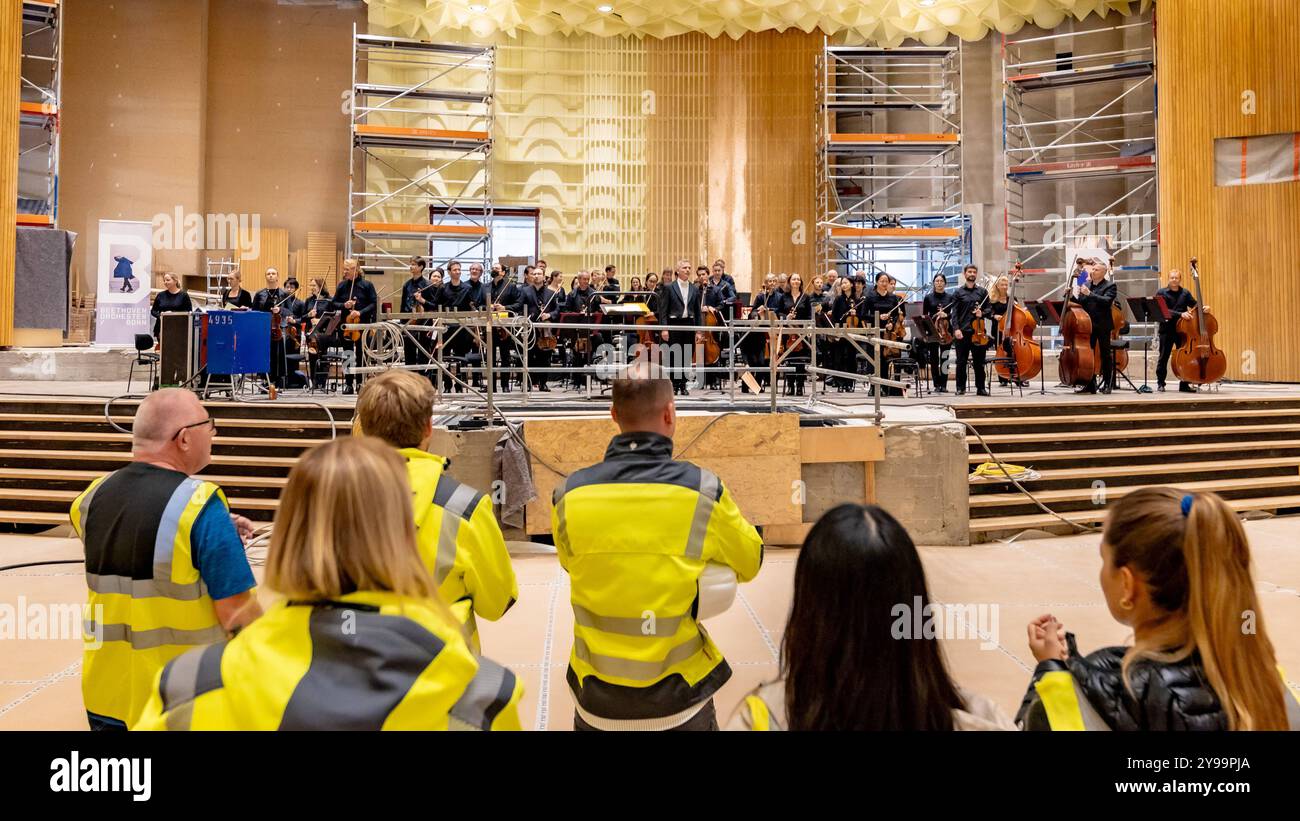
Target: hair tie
(1187,505)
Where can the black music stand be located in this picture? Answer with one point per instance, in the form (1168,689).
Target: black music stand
(1045,313)
(924,332)
(1150,309)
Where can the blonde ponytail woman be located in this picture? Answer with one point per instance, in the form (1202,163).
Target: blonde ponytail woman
(361,640)
(1175,568)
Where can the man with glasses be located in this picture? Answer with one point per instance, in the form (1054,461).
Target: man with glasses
(165,559)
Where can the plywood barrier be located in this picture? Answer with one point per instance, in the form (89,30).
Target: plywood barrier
(759,457)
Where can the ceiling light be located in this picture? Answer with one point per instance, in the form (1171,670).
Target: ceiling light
(605,9)
(478,8)
(928,2)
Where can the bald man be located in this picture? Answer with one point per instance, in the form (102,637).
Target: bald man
(165,559)
(635,532)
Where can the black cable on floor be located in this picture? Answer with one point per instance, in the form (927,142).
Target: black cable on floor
(39,564)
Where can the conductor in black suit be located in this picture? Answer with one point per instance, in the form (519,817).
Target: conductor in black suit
(682,300)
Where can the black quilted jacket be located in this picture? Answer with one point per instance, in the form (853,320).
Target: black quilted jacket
(1163,696)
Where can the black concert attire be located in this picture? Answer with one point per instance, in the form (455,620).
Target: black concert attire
(681,344)
(844,357)
(311,332)
(798,308)
(416,345)
(965,301)
(720,295)
(264,301)
(756,343)
(243,300)
(167,302)
(457,341)
(882,309)
(504,292)
(995,311)
(582,301)
(931,305)
(1098,304)
(1177,302)
(549,302)
(366,302)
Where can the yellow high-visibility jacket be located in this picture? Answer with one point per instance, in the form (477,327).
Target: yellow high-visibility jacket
(634,533)
(368,661)
(148,603)
(460,542)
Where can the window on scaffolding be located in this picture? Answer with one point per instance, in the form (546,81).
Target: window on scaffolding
(514,234)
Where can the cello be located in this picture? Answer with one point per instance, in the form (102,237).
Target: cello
(1078,363)
(1198,360)
(1018,338)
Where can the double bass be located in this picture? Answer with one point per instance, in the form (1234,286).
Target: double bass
(1078,363)
(1198,360)
(1018,326)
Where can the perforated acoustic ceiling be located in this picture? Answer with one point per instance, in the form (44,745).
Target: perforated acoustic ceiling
(887,22)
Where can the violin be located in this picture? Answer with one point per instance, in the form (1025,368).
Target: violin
(1018,326)
(943,326)
(1198,360)
(979,335)
(547,341)
(1078,363)
(354,316)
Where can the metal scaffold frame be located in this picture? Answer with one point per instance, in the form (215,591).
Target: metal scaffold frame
(1116,140)
(444,123)
(39,109)
(865,221)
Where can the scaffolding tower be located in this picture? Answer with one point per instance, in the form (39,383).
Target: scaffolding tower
(421,135)
(1109,154)
(890,165)
(38,113)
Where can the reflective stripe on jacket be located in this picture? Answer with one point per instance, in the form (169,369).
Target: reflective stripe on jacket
(460,542)
(147,602)
(635,532)
(368,661)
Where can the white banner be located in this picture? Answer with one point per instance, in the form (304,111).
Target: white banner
(125,277)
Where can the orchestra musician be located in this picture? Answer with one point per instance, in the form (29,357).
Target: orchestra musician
(170,299)
(720,265)
(756,342)
(682,305)
(234,296)
(799,307)
(311,312)
(881,307)
(478,289)
(999,295)
(505,296)
(415,344)
(845,305)
(1097,295)
(457,342)
(938,305)
(354,293)
(272,299)
(967,306)
(719,299)
(1180,303)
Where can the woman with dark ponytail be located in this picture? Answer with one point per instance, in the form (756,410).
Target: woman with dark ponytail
(844,663)
(1176,568)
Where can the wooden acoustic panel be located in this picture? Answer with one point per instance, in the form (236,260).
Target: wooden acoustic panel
(755,455)
(1247,237)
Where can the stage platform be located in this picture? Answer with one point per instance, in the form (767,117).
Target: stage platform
(1242,441)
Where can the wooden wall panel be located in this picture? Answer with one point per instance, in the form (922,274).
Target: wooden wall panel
(730,152)
(755,455)
(11,36)
(272,253)
(1247,238)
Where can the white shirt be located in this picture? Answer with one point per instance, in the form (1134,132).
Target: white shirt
(684,286)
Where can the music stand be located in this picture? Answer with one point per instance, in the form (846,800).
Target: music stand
(1045,313)
(1150,309)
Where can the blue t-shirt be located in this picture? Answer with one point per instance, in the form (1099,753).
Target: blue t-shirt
(218,553)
